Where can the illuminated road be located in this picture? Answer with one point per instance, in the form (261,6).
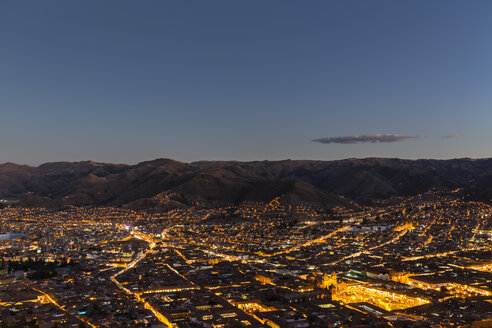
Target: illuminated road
(413,258)
(55,303)
(308,243)
(132,264)
(357,254)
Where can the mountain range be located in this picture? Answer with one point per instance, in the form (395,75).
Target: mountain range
(169,183)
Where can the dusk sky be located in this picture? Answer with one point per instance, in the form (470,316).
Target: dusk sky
(128,81)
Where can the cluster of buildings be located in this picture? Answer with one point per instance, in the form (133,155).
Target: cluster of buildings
(421,261)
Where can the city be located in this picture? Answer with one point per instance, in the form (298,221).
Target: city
(419,261)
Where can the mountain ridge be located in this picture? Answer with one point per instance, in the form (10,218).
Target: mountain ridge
(306,181)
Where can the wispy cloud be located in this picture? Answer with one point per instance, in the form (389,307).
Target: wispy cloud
(451,136)
(371,138)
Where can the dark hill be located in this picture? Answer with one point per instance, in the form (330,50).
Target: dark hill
(91,183)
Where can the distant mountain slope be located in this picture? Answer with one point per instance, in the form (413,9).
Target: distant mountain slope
(91,183)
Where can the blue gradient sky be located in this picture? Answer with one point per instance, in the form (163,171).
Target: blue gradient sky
(127,81)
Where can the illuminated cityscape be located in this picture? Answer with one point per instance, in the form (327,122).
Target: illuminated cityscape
(419,261)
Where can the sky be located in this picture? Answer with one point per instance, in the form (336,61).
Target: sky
(127,81)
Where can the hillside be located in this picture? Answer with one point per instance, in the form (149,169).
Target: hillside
(320,182)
